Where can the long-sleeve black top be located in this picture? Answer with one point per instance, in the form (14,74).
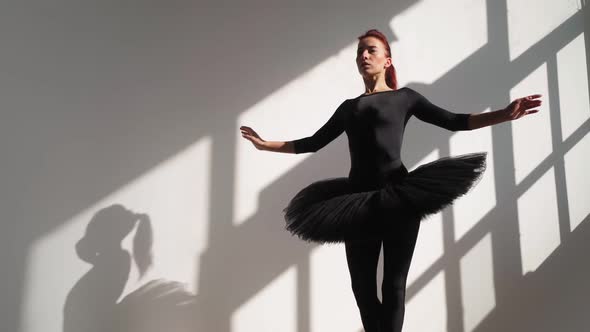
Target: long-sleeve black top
(375,126)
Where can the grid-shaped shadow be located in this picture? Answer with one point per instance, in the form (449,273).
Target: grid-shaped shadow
(470,78)
(234,268)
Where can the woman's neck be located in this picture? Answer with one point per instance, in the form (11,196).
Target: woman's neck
(375,84)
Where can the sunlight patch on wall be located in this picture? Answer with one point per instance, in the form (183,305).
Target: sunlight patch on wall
(297,110)
(538,222)
(435,36)
(471,208)
(175,197)
(260,312)
(427,311)
(578,182)
(429,245)
(531,134)
(574,102)
(330,289)
(531,20)
(477,283)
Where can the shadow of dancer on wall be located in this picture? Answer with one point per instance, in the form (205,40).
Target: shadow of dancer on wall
(92,304)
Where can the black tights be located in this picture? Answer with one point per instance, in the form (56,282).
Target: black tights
(362,257)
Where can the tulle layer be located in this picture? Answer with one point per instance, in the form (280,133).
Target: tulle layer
(334,210)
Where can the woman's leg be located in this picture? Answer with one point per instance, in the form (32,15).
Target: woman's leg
(362,257)
(398,249)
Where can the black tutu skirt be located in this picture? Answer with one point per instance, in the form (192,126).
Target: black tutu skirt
(337,209)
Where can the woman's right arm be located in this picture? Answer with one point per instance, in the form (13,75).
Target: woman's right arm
(273,146)
(327,133)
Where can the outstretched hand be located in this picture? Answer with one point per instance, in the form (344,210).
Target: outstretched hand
(249,134)
(521,107)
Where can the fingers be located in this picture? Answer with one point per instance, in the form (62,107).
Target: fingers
(530,100)
(520,114)
(245,130)
(532,103)
(521,106)
(526,113)
(535,96)
(249,134)
(248,137)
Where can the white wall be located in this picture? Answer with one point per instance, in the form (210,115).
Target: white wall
(111,111)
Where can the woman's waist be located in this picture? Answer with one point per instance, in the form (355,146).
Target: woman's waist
(375,178)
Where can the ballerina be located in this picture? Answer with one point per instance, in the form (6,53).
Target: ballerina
(380,202)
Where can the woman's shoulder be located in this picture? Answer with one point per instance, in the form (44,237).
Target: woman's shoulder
(407,90)
(411,94)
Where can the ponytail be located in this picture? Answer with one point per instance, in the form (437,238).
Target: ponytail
(391,77)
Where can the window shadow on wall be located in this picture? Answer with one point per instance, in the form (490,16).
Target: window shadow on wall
(86,143)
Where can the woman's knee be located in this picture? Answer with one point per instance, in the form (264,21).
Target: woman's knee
(363,288)
(394,296)
(394,286)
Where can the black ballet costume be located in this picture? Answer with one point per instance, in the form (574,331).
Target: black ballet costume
(380,201)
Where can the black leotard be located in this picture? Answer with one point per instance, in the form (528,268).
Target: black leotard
(375,126)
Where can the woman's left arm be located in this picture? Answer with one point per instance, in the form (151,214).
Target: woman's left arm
(515,110)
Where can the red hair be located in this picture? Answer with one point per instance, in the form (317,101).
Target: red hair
(390,75)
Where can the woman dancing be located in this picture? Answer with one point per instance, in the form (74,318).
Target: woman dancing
(380,202)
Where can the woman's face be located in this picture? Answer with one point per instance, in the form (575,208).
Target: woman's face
(371,57)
